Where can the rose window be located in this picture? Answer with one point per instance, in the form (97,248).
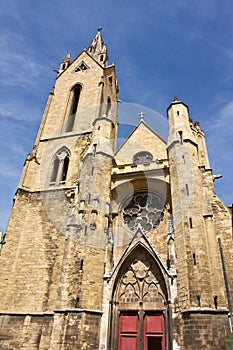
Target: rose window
(147,206)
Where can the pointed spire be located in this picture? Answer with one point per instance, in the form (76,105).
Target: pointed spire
(98,49)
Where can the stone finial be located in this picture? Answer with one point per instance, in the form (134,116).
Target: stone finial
(64,64)
(175,99)
(67,58)
(197,126)
(138,225)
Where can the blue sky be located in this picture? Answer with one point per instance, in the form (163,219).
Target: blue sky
(160,48)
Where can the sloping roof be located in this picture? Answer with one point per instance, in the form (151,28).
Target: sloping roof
(133,132)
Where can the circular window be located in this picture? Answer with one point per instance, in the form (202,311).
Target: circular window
(142,157)
(146,205)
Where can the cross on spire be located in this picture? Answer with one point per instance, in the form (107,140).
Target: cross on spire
(141,116)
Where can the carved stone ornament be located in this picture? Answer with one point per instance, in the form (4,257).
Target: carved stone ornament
(81,67)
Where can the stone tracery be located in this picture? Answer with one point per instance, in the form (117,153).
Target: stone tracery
(140,283)
(149,206)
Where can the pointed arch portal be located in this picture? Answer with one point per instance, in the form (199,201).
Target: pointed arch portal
(139,307)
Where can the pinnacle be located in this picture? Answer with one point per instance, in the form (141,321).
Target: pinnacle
(98,49)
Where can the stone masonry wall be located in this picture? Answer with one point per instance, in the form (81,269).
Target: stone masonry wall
(32,256)
(25,332)
(204,331)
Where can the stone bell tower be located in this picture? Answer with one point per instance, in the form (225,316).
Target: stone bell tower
(201,220)
(52,285)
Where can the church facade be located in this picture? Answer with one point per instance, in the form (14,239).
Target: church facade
(114,249)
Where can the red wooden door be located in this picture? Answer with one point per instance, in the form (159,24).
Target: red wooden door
(154,332)
(128,332)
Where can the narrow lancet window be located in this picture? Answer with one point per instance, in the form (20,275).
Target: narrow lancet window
(190,223)
(110,80)
(65,169)
(216,302)
(181,136)
(81,265)
(194,260)
(55,170)
(94,149)
(75,95)
(108,106)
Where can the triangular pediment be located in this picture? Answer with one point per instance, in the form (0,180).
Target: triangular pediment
(142,139)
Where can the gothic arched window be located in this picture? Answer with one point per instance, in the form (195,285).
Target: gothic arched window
(75,95)
(142,157)
(60,167)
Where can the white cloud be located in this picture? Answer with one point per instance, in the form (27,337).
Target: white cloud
(226,114)
(220,145)
(17,66)
(18,69)
(19,112)
(221,126)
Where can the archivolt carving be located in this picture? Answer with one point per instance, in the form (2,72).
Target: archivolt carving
(140,283)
